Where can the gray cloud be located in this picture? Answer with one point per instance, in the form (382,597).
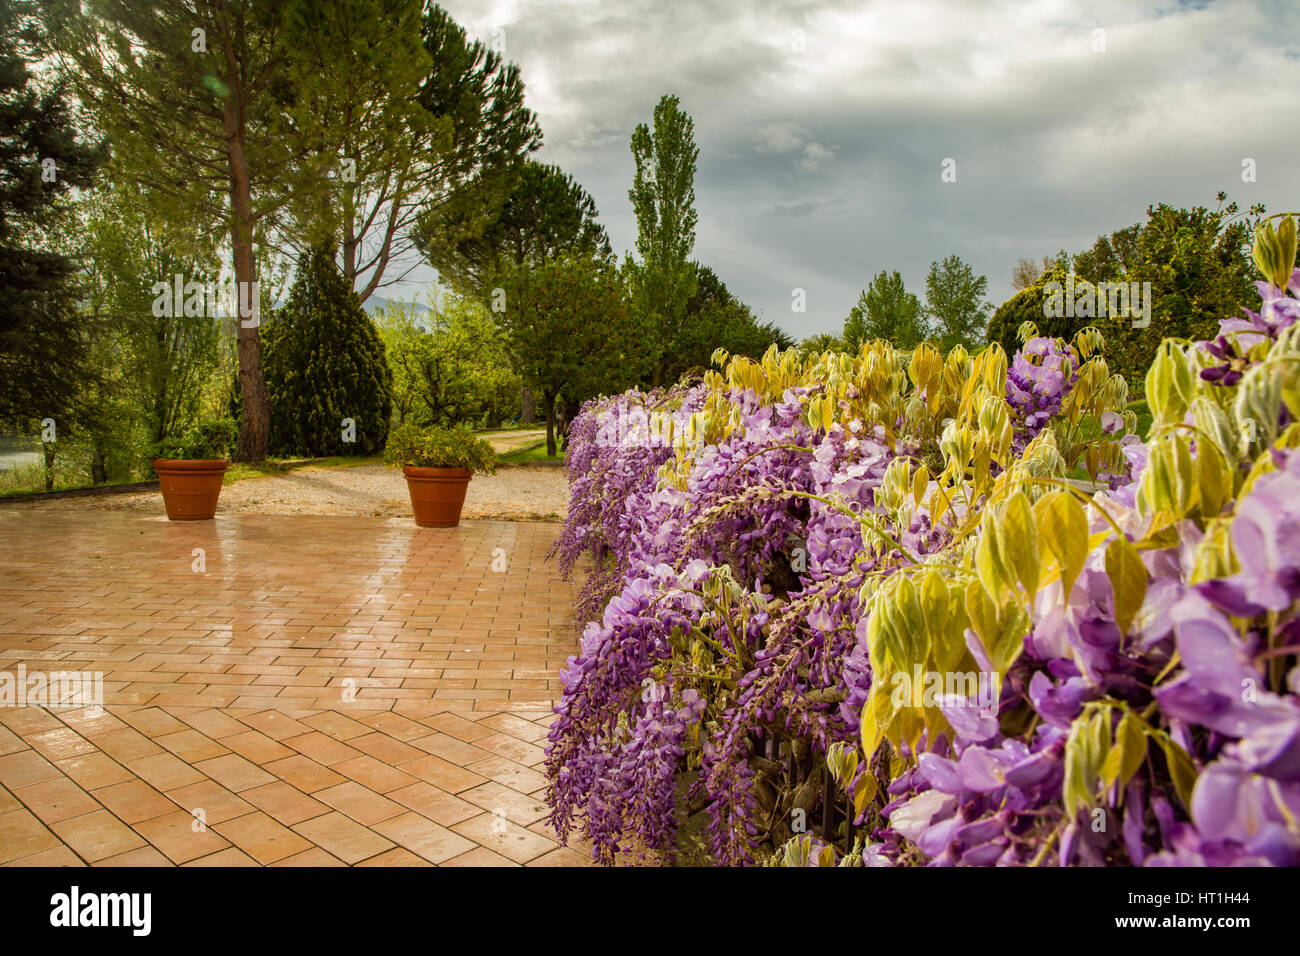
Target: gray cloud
(822,125)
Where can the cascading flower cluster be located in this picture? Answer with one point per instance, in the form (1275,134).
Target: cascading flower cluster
(1038,379)
(879,579)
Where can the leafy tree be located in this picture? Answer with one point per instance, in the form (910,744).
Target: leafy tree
(1200,269)
(378,145)
(823,342)
(546,214)
(717,319)
(325,364)
(450,366)
(166,358)
(421,125)
(955,305)
(1032,305)
(152,364)
(193,94)
(570,330)
(492,135)
(1110,256)
(43,343)
(885,310)
(1026,272)
(663,199)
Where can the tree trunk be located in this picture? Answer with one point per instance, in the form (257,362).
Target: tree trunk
(549,401)
(98,467)
(49,465)
(255,422)
(527,406)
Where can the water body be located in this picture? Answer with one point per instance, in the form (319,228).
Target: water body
(16,452)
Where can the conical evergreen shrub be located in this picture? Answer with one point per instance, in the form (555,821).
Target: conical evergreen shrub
(325,365)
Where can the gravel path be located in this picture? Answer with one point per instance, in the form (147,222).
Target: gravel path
(519,492)
(515,492)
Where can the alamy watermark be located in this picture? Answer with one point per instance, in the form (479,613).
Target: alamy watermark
(206,299)
(1097,299)
(923,688)
(56,689)
(634,427)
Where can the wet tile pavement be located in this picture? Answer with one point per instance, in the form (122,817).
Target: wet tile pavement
(280,690)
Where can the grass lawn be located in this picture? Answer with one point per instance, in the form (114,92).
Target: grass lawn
(239,471)
(530,453)
(1144,419)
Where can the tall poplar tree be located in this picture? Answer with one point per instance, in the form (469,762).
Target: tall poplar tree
(663,199)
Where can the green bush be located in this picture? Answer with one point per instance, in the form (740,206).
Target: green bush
(439,448)
(1029,305)
(325,365)
(207,440)
(450,365)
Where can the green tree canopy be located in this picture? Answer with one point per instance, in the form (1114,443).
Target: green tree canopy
(1199,265)
(193,97)
(885,310)
(955,305)
(450,365)
(570,330)
(715,318)
(43,342)
(545,215)
(1032,305)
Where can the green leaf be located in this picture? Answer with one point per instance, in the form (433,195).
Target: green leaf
(1018,520)
(1063,531)
(1131,741)
(876,716)
(990,564)
(1128,581)
(1181,769)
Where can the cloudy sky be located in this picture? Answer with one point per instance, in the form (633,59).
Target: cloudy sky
(823,126)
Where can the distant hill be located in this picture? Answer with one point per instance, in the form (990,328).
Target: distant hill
(378,302)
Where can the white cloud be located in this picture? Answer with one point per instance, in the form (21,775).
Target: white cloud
(814,155)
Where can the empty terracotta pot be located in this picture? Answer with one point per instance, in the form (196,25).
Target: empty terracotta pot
(190,489)
(437,494)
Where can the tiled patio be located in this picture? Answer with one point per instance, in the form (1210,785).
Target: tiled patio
(300,691)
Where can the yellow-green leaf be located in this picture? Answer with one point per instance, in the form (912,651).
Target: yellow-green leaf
(1063,531)
(1022,536)
(1181,769)
(1128,581)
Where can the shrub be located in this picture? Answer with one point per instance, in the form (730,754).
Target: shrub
(324,363)
(207,440)
(439,448)
(1029,305)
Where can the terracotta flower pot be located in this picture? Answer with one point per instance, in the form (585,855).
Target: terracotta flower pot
(190,489)
(437,494)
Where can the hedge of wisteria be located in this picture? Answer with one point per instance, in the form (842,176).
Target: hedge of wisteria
(877,580)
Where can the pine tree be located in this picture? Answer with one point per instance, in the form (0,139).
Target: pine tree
(42,338)
(326,369)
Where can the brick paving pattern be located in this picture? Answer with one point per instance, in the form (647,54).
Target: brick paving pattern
(303,691)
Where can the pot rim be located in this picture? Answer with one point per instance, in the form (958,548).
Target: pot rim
(191,464)
(428,471)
